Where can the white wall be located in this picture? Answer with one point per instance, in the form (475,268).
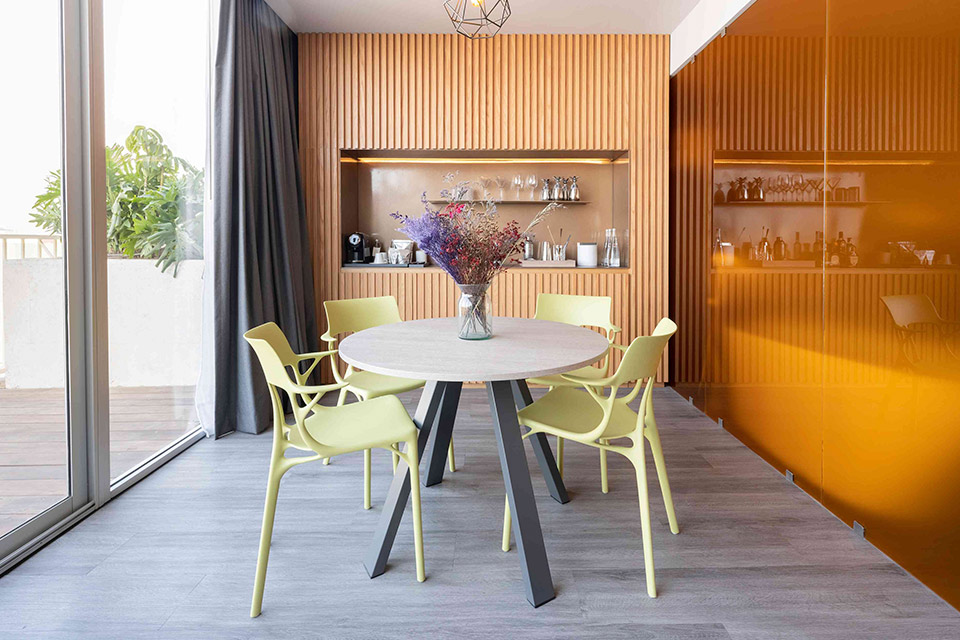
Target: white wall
(154,323)
(704,22)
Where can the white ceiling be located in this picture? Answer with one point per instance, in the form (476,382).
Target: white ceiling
(529,16)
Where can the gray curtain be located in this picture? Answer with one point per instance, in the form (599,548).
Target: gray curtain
(261,260)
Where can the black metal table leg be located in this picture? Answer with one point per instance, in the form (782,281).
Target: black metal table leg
(541,448)
(427,410)
(443,430)
(523,505)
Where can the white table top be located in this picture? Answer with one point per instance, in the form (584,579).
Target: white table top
(430,350)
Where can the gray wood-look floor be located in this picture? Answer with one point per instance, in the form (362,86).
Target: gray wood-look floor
(174,556)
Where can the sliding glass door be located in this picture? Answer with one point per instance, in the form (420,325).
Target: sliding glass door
(43,437)
(155,62)
(104,131)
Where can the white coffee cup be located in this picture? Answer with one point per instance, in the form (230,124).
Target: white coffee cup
(421,257)
(380,258)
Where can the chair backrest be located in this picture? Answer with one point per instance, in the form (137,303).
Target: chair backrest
(911,309)
(583,311)
(642,357)
(274,352)
(354,315)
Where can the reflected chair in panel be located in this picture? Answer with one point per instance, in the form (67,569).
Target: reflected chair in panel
(350,316)
(915,316)
(595,419)
(326,431)
(582,311)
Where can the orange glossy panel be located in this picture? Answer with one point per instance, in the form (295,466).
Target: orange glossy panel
(891,422)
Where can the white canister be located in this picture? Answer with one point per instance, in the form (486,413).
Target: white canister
(587,254)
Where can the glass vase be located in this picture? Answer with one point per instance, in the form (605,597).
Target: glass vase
(474,312)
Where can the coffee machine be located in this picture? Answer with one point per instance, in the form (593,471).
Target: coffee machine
(355,250)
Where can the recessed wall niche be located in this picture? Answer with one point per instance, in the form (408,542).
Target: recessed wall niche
(375,184)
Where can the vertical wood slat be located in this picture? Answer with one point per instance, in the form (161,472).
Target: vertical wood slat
(525,92)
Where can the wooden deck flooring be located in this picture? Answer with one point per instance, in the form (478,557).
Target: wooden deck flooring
(33,449)
(756,559)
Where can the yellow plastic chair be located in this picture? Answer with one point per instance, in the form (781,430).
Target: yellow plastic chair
(350,316)
(593,418)
(327,431)
(582,311)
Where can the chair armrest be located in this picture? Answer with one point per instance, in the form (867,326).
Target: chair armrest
(588,382)
(326,337)
(317,356)
(619,347)
(317,389)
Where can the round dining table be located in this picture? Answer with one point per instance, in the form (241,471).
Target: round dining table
(430,350)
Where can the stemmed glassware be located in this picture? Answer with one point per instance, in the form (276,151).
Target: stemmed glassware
(532,185)
(518,184)
(796,186)
(832,184)
(487,184)
(502,184)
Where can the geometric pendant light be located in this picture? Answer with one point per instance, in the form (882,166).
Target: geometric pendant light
(477,19)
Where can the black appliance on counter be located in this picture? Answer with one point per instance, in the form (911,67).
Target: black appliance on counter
(355,249)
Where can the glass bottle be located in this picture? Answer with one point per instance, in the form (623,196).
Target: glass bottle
(614,249)
(797,248)
(853,259)
(779,249)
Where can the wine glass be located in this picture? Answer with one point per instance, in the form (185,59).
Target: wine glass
(502,184)
(796,185)
(783,185)
(832,184)
(518,184)
(532,185)
(818,189)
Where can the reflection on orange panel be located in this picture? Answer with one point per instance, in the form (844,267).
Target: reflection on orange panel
(891,425)
(765,366)
(824,383)
(892,429)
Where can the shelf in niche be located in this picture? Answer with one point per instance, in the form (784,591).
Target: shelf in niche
(810,205)
(542,203)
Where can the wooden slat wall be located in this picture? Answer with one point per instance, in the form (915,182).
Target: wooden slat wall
(769,93)
(885,94)
(525,92)
(894,94)
(691,193)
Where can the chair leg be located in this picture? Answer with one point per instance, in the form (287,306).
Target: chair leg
(604,485)
(396,459)
(414,464)
(450,460)
(366,478)
(653,436)
(560,455)
(277,469)
(326,461)
(507,523)
(342,398)
(641,468)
